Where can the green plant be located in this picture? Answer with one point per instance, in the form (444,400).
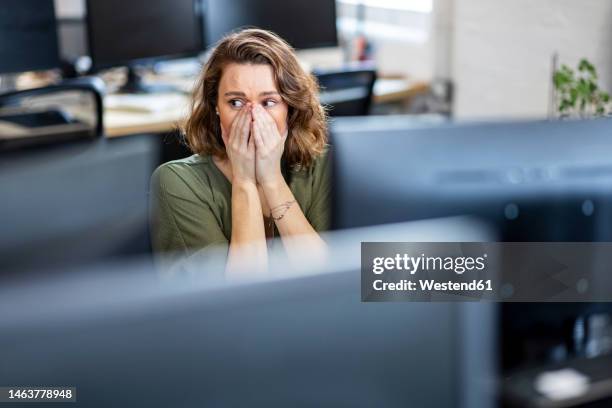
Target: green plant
(578,93)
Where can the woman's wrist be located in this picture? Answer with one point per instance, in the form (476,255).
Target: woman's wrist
(245,197)
(273,185)
(244,183)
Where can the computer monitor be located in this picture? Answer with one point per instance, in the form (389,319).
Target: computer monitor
(128,33)
(28,36)
(75,205)
(524,177)
(531,181)
(297,339)
(303,24)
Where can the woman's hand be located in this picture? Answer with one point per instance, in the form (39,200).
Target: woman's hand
(240,148)
(269,146)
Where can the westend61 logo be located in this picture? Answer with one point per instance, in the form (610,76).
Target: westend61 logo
(413,264)
(447,273)
(486,271)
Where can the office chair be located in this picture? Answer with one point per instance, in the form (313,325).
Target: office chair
(52,115)
(348,91)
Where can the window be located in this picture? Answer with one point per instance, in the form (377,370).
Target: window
(397,20)
(417,6)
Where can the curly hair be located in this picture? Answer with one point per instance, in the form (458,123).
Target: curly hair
(306,118)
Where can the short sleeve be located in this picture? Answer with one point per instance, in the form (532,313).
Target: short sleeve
(319,212)
(182,222)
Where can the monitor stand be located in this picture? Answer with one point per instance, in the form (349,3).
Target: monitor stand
(136,85)
(8,83)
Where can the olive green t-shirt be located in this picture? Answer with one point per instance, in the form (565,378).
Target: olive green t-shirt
(191,202)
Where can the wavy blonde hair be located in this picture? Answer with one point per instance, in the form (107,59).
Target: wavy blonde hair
(307,119)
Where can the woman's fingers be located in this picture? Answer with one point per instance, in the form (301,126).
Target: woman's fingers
(258,133)
(244,127)
(256,136)
(241,138)
(236,123)
(251,147)
(266,126)
(241,130)
(272,128)
(257,129)
(256,122)
(240,153)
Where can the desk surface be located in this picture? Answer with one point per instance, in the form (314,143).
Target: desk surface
(125,114)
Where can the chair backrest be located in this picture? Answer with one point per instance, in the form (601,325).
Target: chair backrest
(52,115)
(348,91)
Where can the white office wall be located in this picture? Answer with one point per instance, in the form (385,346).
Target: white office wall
(400,31)
(413,60)
(501,51)
(442,38)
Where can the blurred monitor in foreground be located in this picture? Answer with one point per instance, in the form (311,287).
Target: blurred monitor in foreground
(531,181)
(536,181)
(75,205)
(295,338)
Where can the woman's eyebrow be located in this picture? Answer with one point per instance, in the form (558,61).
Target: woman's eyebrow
(237,93)
(234,93)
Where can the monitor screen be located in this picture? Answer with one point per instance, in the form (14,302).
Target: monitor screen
(303,24)
(75,204)
(124,32)
(28,36)
(534,180)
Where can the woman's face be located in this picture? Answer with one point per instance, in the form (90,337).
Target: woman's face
(249,83)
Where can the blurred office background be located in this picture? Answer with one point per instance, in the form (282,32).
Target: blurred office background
(498,55)
(451,58)
(456,99)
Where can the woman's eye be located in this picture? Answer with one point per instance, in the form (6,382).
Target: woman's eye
(269,103)
(236,103)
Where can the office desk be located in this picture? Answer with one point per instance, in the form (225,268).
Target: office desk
(397,90)
(121,120)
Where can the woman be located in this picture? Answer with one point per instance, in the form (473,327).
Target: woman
(260,167)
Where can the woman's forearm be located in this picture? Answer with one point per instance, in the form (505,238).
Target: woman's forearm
(294,228)
(247,251)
